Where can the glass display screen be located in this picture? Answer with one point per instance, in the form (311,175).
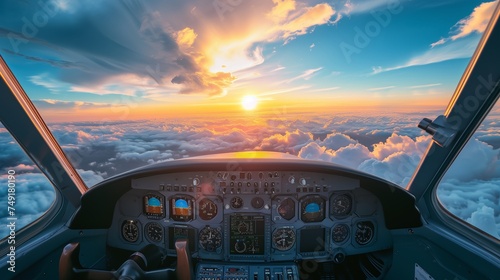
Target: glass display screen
(153,206)
(312,240)
(181,208)
(246,236)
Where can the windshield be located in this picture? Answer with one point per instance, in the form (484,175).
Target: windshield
(125,84)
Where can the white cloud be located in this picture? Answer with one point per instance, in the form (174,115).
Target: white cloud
(425,86)
(381,88)
(91,177)
(356,7)
(476,22)
(306,75)
(454,50)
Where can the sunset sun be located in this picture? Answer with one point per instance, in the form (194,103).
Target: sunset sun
(249,102)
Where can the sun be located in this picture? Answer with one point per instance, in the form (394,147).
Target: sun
(249,102)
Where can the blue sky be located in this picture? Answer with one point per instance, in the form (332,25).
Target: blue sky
(95,57)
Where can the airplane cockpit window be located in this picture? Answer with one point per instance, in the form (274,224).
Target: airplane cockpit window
(26,193)
(471,192)
(233,139)
(145,83)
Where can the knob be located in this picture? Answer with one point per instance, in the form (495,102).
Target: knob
(196,182)
(339,257)
(303,181)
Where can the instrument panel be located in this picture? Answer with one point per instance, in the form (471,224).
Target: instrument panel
(252,216)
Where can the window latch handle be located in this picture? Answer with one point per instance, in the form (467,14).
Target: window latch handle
(441,131)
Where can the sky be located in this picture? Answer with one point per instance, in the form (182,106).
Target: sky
(124,84)
(118,60)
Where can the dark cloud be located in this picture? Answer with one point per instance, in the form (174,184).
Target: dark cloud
(208,83)
(52,62)
(97,44)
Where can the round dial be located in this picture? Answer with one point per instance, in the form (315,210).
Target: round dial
(364,232)
(240,246)
(341,205)
(210,238)
(236,202)
(312,209)
(340,233)
(257,202)
(207,209)
(154,232)
(283,238)
(286,209)
(130,231)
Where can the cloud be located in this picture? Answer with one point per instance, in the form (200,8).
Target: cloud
(34,196)
(484,219)
(289,142)
(356,7)
(67,105)
(312,16)
(91,177)
(395,159)
(152,50)
(351,155)
(473,202)
(186,37)
(281,9)
(476,22)
(306,75)
(451,48)
(381,88)
(485,169)
(116,42)
(454,50)
(336,141)
(208,83)
(425,86)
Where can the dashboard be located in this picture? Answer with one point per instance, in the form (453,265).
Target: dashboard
(261,218)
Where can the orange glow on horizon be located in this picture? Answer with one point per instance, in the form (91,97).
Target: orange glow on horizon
(230,106)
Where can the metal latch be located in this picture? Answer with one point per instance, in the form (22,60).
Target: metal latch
(440,129)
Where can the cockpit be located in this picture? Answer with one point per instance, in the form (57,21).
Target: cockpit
(270,216)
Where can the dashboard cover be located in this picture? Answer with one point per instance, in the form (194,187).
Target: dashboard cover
(258,179)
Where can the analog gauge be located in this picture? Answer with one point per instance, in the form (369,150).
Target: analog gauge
(153,206)
(364,232)
(341,205)
(340,233)
(257,202)
(207,209)
(236,202)
(210,239)
(283,238)
(286,209)
(130,231)
(154,232)
(312,209)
